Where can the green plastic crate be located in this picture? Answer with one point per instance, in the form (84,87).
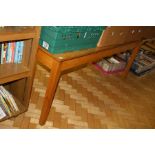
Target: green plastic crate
(58,39)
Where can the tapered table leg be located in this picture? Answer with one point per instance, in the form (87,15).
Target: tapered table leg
(50,91)
(130,61)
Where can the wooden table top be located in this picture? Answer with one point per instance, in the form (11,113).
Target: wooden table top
(79,53)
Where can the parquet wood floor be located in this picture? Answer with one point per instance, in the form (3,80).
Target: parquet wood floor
(88,99)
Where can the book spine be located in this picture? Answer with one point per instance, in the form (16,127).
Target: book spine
(105,65)
(2,113)
(10,99)
(8,53)
(7,101)
(7,109)
(16,52)
(121,64)
(2,52)
(20,51)
(13,51)
(2,106)
(111,65)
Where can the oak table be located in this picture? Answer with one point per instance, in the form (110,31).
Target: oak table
(58,63)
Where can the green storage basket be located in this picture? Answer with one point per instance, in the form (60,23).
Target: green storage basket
(58,39)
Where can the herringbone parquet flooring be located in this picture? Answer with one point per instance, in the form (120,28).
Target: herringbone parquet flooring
(88,99)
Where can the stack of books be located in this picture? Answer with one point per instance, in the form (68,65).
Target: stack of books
(144,62)
(11,52)
(8,106)
(111,65)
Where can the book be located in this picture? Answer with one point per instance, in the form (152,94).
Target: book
(9,98)
(122,63)
(12,51)
(16,52)
(0,51)
(114,63)
(20,51)
(2,113)
(105,65)
(8,53)
(3,108)
(4,52)
(7,109)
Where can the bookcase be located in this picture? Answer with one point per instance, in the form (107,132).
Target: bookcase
(17,78)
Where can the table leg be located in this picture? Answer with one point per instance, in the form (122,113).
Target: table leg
(50,91)
(130,61)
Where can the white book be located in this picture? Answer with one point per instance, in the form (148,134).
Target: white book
(113,60)
(2,113)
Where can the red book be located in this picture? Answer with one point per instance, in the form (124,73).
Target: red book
(13,51)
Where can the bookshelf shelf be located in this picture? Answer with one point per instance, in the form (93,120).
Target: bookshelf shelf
(17,77)
(16,33)
(11,72)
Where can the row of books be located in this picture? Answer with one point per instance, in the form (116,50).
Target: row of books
(11,52)
(8,106)
(111,64)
